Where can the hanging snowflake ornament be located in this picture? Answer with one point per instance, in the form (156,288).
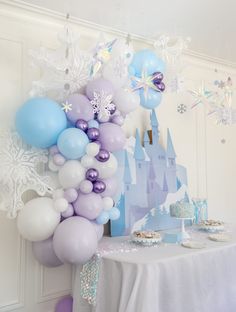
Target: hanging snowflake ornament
(201,95)
(65,70)
(102,105)
(181,108)
(19,172)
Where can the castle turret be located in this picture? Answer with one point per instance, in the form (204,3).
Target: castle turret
(139,157)
(146,140)
(155,128)
(171,165)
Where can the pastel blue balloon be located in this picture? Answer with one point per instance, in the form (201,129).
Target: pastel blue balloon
(114,213)
(93,124)
(103,218)
(40,121)
(72,143)
(131,70)
(146,60)
(151,100)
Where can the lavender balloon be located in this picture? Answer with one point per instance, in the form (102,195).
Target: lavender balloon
(44,253)
(59,160)
(92,174)
(103,155)
(93,134)
(80,109)
(70,195)
(99,186)
(75,240)
(82,124)
(111,187)
(65,305)
(88,205)
(99,228)
(69,212)
(111,136)
(118,119)
(98,86)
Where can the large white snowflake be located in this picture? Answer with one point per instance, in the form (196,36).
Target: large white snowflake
(65,70)
(19,169)
(102,103)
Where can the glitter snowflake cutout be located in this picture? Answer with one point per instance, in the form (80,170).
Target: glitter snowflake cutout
(181,108)
(19,172)
(102,105)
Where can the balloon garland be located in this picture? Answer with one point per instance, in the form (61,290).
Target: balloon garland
(80,136)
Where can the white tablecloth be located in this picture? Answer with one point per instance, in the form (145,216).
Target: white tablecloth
(167,278)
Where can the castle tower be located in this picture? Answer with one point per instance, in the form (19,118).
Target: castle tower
(151,186)
(139,157)
(127,175)
(155,128)
(171,164)
(127,193)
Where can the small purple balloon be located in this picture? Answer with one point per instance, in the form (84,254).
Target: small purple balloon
(161,86)
(65,305)
(53,150)
(92,174)
(118,120)
(69,212)
(93,134)
(158,77)
(103,155)
(81,124)
(70,195)
(59,160)
(99,187)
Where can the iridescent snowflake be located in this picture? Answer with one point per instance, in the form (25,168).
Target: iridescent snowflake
(102,103)
(19,172)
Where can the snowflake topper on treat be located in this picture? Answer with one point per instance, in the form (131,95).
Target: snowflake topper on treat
(19,172)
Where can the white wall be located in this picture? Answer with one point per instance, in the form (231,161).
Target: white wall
(25,285)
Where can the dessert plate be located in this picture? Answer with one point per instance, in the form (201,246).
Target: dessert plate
(219,237)
(193,244)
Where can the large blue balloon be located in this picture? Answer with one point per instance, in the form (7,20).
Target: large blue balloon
(72,143)
(146,60)
(150,100)
(40,121)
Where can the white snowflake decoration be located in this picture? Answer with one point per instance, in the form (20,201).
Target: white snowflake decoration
(181,108)
(65,70)
(19,172)
(102,103)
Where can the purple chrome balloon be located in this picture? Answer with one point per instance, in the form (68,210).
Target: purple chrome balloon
(103,155)
(158,77)
(81,124)
(99,186)
(92,174)
(93,134)
(161,86)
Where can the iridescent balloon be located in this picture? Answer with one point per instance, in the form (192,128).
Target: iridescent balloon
(99,186)
(161,86)
(92,174)
(103,155)
(82,124)
(93,134)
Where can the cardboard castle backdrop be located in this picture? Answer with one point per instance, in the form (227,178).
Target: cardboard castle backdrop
(151,181)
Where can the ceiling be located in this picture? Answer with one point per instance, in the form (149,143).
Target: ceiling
(210,23)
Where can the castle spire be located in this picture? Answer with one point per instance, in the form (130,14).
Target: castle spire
(155,126)
(127,174)
(170,148)
(138,149)
(153,118)
(146,138)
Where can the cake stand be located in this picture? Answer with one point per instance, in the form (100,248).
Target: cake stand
(184,235)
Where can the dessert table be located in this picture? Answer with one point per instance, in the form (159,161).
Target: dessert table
(164,278)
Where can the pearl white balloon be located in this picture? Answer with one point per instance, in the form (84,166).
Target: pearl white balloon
(60,204)
(58,193)
(87,161)
(86,186)
(92,149)
(107,203)
(122,49)
(38,220)
(71,174)
(126,101)
(106,169)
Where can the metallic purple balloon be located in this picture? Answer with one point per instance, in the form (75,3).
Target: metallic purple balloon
(158,77)
(82,124)
(93,134)
(161,86)
(99,187)
(103,155)
(92,174)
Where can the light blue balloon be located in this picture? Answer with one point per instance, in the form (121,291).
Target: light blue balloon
(93,124)
(40,121)
(103,218)
(146,60)
(72,143)
(114,213)
(151,100)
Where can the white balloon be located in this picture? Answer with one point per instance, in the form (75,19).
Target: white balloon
(92,149)
(60,204)
(123,49)
(86,186)
(87,161)
(107,203)
(58,193)
(126,101)
(52,166)
(54,179)
(117,79)
(71,174)
(38,220)
(106,169)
